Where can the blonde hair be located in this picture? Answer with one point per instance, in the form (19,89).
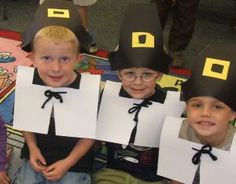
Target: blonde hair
(57,34)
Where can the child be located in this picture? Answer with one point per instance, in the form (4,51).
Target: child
(131,112)
(48,157)
(3,141)
(210,110)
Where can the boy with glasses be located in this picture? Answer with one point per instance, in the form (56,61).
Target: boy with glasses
(132,111)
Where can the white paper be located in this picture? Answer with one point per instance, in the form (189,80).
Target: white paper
(28,114)
(175,158)
(75,117)
(115,124)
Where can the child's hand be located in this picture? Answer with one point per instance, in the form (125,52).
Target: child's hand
(56,171)
(4,179)
(37,160)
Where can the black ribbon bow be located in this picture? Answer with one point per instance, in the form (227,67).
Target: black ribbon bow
(50,94)
(136,108)
(206,149)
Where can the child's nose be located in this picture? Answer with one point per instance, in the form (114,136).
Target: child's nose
(206,111)
(56,66)
(138,79)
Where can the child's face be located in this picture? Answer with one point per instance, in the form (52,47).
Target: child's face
(139,83)
(55,61)
(209,118)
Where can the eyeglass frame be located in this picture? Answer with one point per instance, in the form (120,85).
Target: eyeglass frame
(134,77)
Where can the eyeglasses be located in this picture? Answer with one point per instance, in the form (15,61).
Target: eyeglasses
(132,76)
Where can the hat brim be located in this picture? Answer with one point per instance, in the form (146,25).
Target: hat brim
(82,35)
(119,62)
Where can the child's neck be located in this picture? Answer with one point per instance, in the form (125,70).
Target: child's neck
(149,96)
(214,141)
(74,75)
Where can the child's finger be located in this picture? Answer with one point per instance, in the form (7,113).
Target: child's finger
(50,175)
(37,166)
(41,164)
(50,168)
(42,161)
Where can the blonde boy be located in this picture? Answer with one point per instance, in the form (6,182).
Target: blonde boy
(50,157)
(54,43)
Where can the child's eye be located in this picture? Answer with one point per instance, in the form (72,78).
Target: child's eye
(129,74)
(46,58)
(218,106)
(65,59)
(195,105)
(147,74)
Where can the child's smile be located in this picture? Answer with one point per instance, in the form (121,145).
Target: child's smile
(204,123)
(209,118)
(56,78)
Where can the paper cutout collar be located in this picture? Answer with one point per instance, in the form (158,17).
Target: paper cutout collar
(56,12)
(141,40)
(206,149)
(214,75)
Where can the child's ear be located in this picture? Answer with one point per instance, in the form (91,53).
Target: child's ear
(31,57)
(233,116)
(118,73)
(159,76)
(79,58)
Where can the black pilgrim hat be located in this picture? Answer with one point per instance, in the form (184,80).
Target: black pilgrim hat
(141,40)
(56,12)
(214,75)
